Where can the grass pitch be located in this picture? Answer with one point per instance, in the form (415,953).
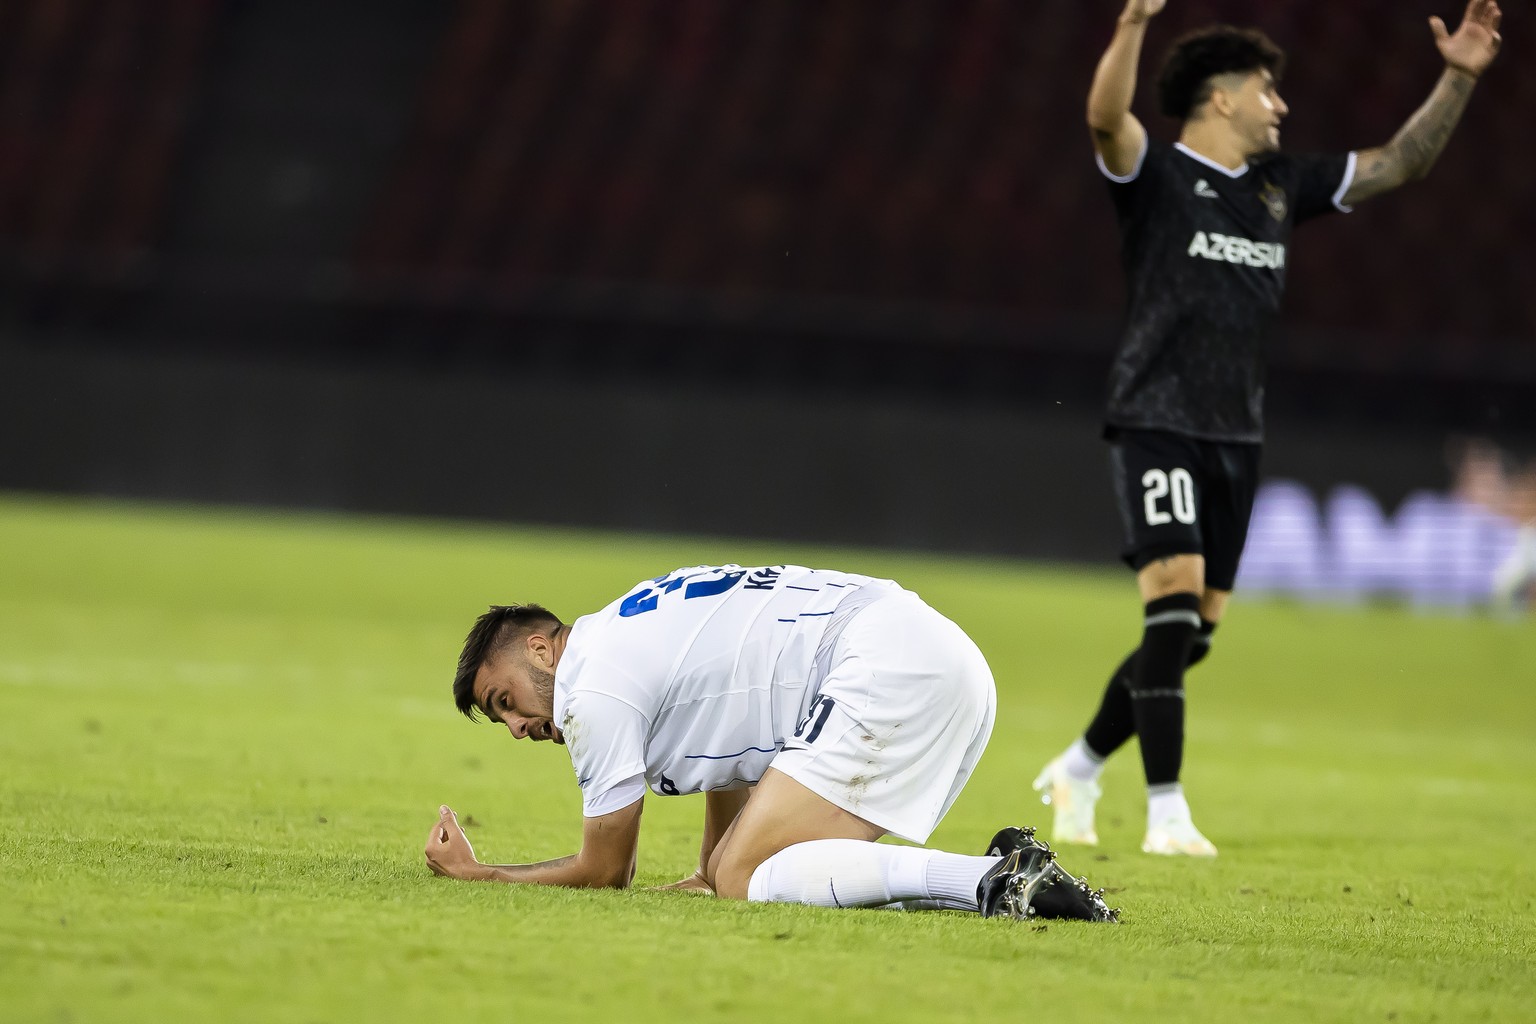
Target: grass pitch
(224,736)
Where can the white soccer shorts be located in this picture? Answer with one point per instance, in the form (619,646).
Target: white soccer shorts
(900,720)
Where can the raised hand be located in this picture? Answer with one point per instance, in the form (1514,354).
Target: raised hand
(1476,41)
(1141,10)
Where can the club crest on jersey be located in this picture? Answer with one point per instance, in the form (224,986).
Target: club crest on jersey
(1273,198)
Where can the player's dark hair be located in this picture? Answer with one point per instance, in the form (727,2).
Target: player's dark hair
(492,633)
(1195,58)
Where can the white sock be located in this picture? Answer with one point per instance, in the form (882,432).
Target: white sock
(910,905)
(953,878)
(1082,763)
(853,873)
(1166,802)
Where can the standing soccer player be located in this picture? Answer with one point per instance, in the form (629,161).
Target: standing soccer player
(1205,225)
(816,710)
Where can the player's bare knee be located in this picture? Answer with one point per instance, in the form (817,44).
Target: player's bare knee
(1176,574)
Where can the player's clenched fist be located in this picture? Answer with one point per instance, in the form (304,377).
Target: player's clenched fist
(448,850)
(1141,10)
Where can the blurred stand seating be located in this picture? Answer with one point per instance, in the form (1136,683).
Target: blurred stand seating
(94,103)
(826,180)
(914,154)
(313,253)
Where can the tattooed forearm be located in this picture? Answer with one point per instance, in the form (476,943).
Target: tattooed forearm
(1417,144)
(1420,141)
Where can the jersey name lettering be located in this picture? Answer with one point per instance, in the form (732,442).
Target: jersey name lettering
(1241,251)
(763,579)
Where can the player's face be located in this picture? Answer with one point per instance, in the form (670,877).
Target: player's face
(517,689)
(1257,112)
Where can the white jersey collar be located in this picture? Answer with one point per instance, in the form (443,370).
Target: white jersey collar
(1212,164)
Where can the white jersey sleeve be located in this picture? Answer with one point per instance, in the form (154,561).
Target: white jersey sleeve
(606,740)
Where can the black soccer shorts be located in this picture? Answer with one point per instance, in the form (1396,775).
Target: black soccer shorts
(1182,496)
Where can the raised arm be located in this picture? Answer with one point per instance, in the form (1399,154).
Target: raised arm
(609,844)
(1117,135)
(1419,142)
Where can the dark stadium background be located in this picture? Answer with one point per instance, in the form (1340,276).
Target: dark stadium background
(809,269)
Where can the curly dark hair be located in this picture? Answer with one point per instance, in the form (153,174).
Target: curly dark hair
(491,634)
(1194,59)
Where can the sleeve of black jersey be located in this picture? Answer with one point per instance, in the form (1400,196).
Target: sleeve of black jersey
(1128,190)
(1320,184)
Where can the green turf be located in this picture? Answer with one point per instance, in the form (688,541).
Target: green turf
(223,738)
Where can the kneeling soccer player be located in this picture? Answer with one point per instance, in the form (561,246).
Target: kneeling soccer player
(816,710)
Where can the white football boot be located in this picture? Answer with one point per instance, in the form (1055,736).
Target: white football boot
(1073,801)
(1177,837)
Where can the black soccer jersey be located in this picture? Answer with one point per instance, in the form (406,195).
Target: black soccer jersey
(1205,251)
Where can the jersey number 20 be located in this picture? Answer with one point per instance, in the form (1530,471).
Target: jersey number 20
(1177,486)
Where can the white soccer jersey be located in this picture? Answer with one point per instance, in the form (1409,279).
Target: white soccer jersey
(693,679)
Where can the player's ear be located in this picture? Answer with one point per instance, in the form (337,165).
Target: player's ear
(1221,100)
(540,650)
(1224,90)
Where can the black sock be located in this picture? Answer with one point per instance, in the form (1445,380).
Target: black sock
(1157,684)
(1115,722)
(1202,643)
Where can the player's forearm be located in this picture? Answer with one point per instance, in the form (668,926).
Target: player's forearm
(1114,81)
(570,871)
(1422,138)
